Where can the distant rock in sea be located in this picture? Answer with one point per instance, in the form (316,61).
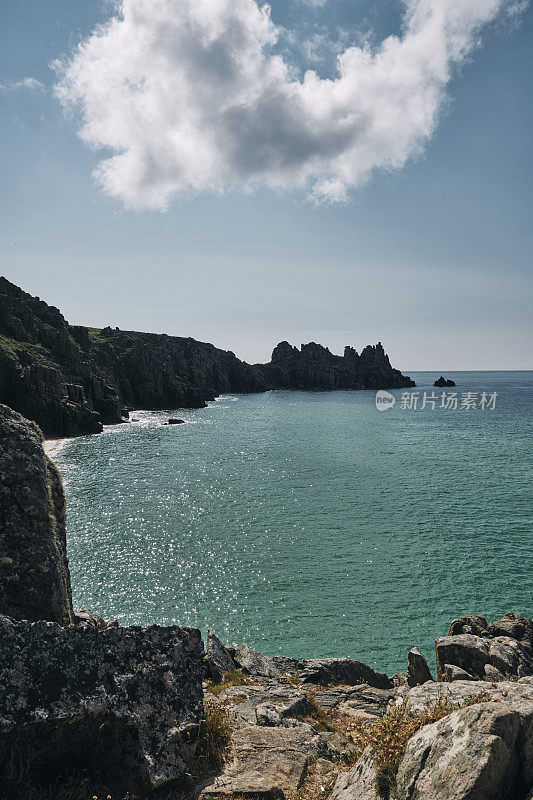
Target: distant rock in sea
(441,382)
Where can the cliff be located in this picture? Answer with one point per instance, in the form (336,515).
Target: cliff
(34,575)
(71,379)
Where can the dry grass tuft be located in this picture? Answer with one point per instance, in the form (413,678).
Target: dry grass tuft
(235,678)
(389,735)
(213,745)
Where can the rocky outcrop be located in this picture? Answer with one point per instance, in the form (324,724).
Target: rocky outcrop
(284,710)
(475,753)
(346,671)
(71,379)
(270,763)
(417,670)
(442,382)
(123,702)
(34,576)
(504,647)
(315,368)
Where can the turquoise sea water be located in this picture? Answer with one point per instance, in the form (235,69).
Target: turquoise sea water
(309,524)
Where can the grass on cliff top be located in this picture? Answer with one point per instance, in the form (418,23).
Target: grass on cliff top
(25,353)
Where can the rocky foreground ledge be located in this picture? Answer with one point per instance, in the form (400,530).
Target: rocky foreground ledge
(89,709)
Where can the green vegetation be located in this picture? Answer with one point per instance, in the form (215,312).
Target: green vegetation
(389,735)
(21,354)
(213,744)
(234,678)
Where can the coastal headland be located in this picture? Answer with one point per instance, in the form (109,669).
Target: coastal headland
(72,380)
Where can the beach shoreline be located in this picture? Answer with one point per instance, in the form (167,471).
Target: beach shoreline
(51,446)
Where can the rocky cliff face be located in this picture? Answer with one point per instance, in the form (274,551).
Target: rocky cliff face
(315,368)
(34,576)
(71,379)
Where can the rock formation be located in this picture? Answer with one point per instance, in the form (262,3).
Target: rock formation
(315,368)
(87,697)
(122,699)
(442,381)
(34,575)
(71,379)
(504,647)
(474,753)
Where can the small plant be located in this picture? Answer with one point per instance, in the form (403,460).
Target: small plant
(213,744)
(318,715)
(389,735)
(234,678)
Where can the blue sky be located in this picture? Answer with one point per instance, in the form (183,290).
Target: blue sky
(433,258)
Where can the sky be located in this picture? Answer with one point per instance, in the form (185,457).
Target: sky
(342,171)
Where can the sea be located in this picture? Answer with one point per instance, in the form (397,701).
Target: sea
(311,524)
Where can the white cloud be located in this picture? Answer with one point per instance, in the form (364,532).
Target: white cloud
(27,83)
(191,96)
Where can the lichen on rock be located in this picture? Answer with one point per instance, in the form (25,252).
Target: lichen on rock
(34,576)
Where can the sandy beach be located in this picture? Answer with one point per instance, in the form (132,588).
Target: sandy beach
(51,446)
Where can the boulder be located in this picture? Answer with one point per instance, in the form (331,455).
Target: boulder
(514,626)
(173,421)
(34,576)
(359,783)
(255,663)
(470,623)
(218,658)
(123,699)
(268,763)
(346,671)
(465,650)
(418,670)
(452,673)
(475,753)
(472,653)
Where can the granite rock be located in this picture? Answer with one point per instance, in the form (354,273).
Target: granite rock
(34,576)
(268,763)
(325,671)
(218,658)
(418,670)
(125,699)
(475,753)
